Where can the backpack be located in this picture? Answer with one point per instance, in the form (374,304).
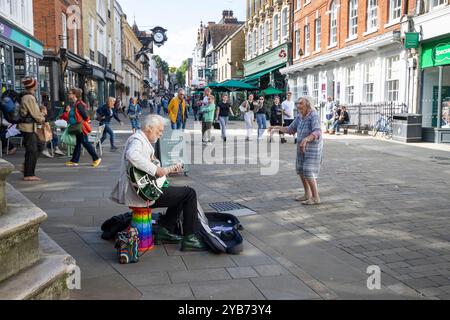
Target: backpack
(220,231)
(116,224)
(10,105)
(127,245)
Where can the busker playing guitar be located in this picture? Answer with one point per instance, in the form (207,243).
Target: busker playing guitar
(139,153)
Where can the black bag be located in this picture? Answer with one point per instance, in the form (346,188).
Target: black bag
(216,125)
(116,224)
(220,232)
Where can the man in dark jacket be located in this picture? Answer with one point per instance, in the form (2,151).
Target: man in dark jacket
(105,115)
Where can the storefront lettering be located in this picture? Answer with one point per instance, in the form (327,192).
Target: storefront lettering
(442,52)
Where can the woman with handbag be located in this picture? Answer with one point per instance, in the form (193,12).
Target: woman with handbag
(79,126)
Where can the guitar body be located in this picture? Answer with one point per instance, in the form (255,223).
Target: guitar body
(148,187)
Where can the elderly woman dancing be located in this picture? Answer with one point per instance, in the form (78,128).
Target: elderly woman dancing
(309,151)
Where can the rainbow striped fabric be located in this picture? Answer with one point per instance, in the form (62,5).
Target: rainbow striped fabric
(142,221)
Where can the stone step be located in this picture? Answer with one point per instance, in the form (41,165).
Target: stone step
(46,279)
(19,241)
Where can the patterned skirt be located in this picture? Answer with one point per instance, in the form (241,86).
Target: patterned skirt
(142,221)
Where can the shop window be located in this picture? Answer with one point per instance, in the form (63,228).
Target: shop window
(6,67)
(430,98)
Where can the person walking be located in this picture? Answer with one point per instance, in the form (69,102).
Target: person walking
(261,119)
(247,108)
(78,116)
(177,111)
(165,104)
(104,116)
(207,120)
(222,114)
(288,113)
(276,115)
(309,149)
(133,113)
(31,117)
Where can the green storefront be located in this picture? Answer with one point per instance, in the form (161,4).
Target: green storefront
(263,71)
(20,54)
(435,90)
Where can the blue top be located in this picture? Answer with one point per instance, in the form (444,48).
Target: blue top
(306,126)
(107,113)
(134,110)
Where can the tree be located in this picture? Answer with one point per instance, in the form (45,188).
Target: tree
(160,63)
(173,69)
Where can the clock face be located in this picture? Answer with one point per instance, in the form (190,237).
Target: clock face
(159,37)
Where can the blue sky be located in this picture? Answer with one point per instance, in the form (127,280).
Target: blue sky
(181,18)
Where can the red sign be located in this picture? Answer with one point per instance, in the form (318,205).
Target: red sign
(282,54)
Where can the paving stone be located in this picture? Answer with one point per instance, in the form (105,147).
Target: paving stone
(271,270)
(207,261)
(167,292)
(284,287)
(242,289)
(420,283)
(148,263)
(242,272)
(148,279)
(198,275)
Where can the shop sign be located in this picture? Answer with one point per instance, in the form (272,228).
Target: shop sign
(267,60)
(435,54)
(441,53)
(411,40)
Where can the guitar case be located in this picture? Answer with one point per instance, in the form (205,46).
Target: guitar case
(220,231)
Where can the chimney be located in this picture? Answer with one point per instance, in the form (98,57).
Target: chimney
(227,17)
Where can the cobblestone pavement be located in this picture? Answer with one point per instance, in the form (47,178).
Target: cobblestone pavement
(384,204)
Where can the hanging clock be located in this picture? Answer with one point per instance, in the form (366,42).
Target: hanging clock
(159,36)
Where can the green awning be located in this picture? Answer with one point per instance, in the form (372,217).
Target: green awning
(236,85)
(271,91)
(258,75)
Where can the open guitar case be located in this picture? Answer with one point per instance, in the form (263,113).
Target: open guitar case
(220,231)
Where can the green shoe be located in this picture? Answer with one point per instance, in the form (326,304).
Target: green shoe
(164,236)
(193,243)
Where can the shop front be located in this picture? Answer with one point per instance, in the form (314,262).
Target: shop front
(20,54)
(263,71)
(435,90)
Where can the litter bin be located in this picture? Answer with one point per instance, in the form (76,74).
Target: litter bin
(407,127)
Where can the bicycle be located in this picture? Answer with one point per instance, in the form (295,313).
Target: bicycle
(384,125)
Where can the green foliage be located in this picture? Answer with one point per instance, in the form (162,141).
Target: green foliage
(160,63)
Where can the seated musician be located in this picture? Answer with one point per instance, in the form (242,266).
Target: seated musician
(139,153)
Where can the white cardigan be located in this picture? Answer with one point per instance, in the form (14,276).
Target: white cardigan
(138,152)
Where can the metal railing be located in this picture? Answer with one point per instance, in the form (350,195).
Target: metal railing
(365,116)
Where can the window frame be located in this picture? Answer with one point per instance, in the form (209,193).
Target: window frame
(350,85)
(307,40)
(276,30)
(333,27)
(352,18)
(372,15)
(395,9)
(318,35)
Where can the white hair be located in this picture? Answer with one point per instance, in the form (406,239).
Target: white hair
(152,121)
(308,102)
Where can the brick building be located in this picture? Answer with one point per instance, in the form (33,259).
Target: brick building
(58,24)
(350,50)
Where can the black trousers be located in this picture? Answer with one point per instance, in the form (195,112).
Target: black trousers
(179,200)
(32,150)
